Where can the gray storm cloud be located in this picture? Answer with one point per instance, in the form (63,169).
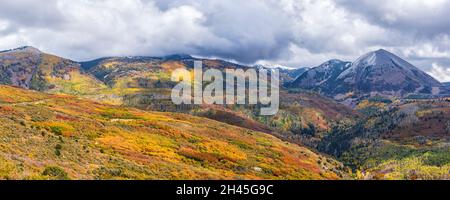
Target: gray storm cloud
(287,32)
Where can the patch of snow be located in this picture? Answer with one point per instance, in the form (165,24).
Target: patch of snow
(274,66)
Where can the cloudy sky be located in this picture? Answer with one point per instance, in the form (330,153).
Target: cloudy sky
(296,33)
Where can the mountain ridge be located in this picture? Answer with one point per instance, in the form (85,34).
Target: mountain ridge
(375,73)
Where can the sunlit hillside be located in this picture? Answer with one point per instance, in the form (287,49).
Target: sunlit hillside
(46,136)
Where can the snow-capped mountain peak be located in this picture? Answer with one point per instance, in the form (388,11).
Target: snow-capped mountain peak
(381,57)
(375,73)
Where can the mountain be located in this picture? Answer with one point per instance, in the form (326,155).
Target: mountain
(384,72)
(378,73)
(19,66)
(29,68)
(323,77)
(46,136)
(295,73)
(287,74)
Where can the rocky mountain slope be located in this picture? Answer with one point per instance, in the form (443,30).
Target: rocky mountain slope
(287,74)
(29,68)
(322,78)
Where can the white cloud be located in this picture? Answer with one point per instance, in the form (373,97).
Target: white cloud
(440,73)
(102,28)
(437,47)
(287,32)
(89,29)
(424,17)
(3,25)
(323,30)
(321,26)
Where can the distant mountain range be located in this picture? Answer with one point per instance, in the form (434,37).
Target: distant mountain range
(287,74)
(378,73)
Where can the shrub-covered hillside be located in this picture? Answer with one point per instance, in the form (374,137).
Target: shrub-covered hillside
(410,140)
(45,136)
